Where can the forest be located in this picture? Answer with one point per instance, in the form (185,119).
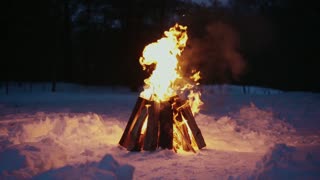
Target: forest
(268,43)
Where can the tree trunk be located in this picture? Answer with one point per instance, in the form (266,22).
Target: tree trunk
(163,12)
(54,79)
(67,40)
(133,25)
(244,89)
(87,42)
(7,87)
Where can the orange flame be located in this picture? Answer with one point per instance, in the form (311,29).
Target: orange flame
(195,101)
(196,76)
(163,81)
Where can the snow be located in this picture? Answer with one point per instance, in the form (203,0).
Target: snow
(288,162)
(74,134)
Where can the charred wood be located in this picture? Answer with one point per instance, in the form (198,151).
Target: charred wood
(152,133)
(166,126)
(140,103)
(135,131)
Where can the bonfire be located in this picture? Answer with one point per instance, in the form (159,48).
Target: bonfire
(163,116)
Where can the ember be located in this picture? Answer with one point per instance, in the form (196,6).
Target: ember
(164,113)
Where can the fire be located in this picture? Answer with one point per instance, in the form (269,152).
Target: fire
(196,76)
(165,80)
(164,113)
(195,101)
(183,140)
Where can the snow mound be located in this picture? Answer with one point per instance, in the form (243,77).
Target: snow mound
(11,159)
(264,124)
(77,130)
(240,90)
(107,168)
(249,130)
(58,140)
(287,162)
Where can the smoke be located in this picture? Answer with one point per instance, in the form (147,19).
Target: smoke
(215,53)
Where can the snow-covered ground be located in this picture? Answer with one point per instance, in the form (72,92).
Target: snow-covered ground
(74,134)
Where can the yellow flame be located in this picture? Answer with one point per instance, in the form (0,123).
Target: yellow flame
(163,82)
(183,139)
(195,101)
(196,76)
(163,53)
(144,126)
(145,123)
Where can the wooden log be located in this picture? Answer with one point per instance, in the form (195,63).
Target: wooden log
(152,133)
(140,103)
(177,103)
(183,133)
(187,139)
(166,125)
(135,132)
(161,118)
(187,114)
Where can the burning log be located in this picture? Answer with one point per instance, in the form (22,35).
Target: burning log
(166,125)
(160,119)
(134,144)
(182,133)
(151,135)
(186,112)
(132,121)
(166,128)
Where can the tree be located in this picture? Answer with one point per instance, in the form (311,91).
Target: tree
(67,39)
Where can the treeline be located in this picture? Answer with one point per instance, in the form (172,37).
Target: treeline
(273,43)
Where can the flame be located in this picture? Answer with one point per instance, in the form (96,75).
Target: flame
(196,77)
(195,101)
(166,81)
(144,125)
(163,83)
(183,139)
(160,86)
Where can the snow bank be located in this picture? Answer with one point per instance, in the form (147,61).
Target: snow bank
(107,168)
(249,130)
(59,140)
(13,165)
(10,160)
(235,89)
(288,162)
(53,145)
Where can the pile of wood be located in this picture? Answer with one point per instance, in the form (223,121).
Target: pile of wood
(167,125)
